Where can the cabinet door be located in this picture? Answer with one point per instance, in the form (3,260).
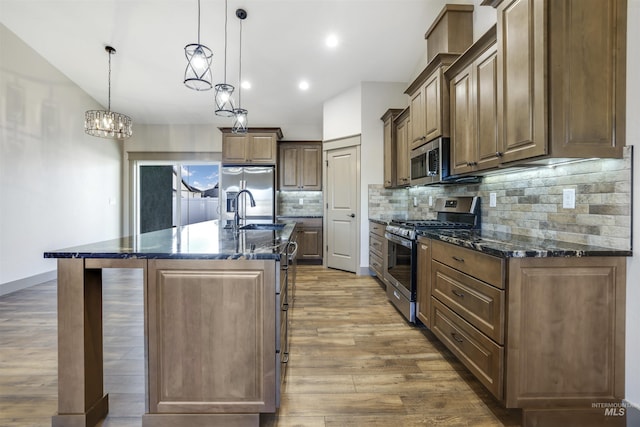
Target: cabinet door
(433,102)
(417,119)
(234,148)
(522,92)
(310,243)
(288,167)
(463,144)
(310,169)
(424,282)
(389,153)
(402,153)
(211,335)
(485,72)
(262,149)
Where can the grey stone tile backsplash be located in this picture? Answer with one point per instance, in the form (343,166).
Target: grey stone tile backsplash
(289,203)
(529,201)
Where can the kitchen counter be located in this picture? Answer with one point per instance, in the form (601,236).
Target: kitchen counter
(505,245)
(297,216)
(211,309)
(204,240)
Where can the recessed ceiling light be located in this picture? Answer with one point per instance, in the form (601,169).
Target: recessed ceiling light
(303,85)
(331,40)
(246,84)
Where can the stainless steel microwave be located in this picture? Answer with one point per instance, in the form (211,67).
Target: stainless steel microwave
(430,162)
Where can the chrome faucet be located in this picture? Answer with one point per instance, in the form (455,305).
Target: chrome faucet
(236,217)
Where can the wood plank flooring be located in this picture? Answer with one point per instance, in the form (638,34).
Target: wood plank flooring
(354,360)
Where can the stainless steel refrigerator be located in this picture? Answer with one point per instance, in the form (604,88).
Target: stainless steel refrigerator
(260,181)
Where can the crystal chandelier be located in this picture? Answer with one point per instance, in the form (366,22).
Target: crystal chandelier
(197,75)
(224,102)
(240,114)
(108,124)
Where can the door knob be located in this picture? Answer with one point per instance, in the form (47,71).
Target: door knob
(352,215)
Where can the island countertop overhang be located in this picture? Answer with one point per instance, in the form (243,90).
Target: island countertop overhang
(204,240)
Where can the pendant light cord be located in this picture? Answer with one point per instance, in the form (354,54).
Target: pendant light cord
(240,70)
(198,21)
(226,2)
(109,96)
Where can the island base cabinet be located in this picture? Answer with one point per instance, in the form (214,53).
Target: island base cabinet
(565,335)
(210,328)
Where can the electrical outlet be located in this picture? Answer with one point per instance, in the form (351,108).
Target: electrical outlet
(301,201)
(430,200)
(569,198)
(415,202)
(492,200)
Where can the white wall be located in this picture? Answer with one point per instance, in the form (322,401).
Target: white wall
(341,116)
(181,138)
(377,97)
(58,186)
(633,265)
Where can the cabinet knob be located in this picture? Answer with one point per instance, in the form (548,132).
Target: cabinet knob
(499,154)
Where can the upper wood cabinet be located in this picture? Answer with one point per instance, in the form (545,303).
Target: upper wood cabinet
(390,144)
(429,102)
(474,107)
(258,146)
(402,124)
(300,166)
(561,72)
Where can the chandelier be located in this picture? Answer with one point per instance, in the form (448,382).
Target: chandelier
(108,124)
(197,75)
(224,102)
(240,114)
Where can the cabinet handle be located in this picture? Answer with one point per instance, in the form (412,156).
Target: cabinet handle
(456,337)
(458,259)
(424,247)
(396,294)
(499,154)
(456,293)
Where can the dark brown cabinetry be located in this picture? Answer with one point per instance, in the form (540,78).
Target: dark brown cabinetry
(402,125)
(474,107)
(429,102)
(309,239)
(258,146)
(378,250)
(390,144)
(561,72)
(300,166)
(563,344)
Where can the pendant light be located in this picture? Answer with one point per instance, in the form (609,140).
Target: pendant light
(197,75)
(224,102)
(240,114)
(108,124)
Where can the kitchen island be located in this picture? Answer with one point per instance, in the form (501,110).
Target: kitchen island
(211,320)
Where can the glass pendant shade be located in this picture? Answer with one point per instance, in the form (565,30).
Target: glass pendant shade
(224,100)
(108,124)
(197,75)
(240,125)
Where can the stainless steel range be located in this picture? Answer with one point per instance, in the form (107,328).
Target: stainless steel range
(452,212)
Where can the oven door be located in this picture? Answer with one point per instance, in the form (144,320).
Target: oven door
(402,263)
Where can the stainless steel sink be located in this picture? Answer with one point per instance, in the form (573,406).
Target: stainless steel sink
(263,227)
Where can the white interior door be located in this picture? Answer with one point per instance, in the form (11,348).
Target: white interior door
(342,220)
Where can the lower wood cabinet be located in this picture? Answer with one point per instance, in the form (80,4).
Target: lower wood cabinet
(211,340)
(378,251)
(539,333)
(423,286)
(309,239)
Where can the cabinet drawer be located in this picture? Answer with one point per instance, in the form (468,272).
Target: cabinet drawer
(377,229)
(376,244)
(375,263)
(485,267)
(483,357)
(475,301)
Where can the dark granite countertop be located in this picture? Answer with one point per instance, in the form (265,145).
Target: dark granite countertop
(506,245)
(204,240)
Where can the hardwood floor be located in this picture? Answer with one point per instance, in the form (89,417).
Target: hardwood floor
(354,360)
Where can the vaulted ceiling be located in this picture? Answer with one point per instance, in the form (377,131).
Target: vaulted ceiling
(283,44)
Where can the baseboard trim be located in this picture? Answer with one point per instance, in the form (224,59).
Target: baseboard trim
(16,285)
